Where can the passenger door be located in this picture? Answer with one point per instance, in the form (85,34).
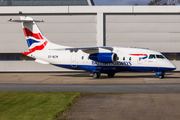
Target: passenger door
(73,61)
(139,60)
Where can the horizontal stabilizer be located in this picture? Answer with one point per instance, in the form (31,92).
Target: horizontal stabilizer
(11,20)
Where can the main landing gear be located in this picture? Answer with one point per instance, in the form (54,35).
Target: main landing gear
(111,75)
(97,75)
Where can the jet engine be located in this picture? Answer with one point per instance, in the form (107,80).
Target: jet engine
(103,57)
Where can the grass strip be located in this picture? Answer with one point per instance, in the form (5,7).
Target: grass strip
(34,105)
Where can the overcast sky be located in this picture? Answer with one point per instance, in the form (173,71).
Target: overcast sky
(121,2)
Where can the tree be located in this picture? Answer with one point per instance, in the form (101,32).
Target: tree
(164,2)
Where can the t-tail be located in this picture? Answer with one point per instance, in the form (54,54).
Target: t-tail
(36,41)
(34,37)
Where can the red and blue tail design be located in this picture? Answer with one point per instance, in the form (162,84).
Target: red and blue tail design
(36,41)
(27,32)
(34,37)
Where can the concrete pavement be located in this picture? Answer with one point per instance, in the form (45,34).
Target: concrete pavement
(85,78)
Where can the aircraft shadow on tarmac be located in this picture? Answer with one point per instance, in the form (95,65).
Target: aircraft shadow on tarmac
(104,76)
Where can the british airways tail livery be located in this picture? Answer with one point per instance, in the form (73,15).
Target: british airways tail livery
(97,60)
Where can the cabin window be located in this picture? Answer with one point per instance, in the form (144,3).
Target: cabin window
(123,58)
(130,58)
(117,58)
(139,59)
(152,56)
(82,57)
(160,56)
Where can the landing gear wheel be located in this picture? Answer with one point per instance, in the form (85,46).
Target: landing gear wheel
(111,74)
(96,75)
(161,76)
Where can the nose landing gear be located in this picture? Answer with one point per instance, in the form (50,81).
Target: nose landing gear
(161,74)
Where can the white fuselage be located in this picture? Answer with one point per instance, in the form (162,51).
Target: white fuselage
(129,59)
(94,59)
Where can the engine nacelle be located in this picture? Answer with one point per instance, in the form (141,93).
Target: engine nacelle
(103,57)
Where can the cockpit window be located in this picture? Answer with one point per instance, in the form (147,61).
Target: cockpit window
(152,56)
(160,56)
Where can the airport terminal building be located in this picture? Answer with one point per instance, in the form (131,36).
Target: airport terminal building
(79,23)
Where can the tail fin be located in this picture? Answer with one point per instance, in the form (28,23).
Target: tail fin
(34,37)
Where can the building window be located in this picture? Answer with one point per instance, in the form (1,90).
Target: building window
(14,57)
(172,56)
(44,3)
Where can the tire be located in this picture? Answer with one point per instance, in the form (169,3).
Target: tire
(111,75)
(161,76)
(96,75)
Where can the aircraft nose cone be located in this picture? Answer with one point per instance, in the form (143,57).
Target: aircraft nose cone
(173,67)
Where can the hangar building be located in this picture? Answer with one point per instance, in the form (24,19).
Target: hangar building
(79,23)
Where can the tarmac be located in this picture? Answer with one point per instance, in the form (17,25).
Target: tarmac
(149,106)
(148,98)
(86,78)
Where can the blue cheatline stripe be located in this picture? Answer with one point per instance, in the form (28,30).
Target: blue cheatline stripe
(106,69)
(31,41)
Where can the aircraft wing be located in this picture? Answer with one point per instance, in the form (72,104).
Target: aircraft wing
(88,50)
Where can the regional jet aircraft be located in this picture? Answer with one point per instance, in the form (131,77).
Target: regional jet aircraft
(97,60)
